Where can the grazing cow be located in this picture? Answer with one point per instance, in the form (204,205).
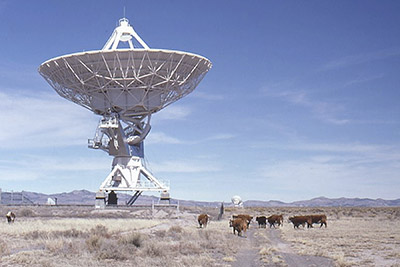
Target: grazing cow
(239,225)
(203,219)
(262,221)
(245,217)
(10,217)
(319,218)
(278,219)
(300,220)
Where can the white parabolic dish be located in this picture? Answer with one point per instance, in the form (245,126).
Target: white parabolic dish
(130,82)
(236,200)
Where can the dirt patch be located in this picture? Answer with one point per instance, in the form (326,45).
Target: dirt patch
(248,254)
(291,258)
(259,241)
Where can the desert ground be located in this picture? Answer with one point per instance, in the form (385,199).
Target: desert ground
(170,236)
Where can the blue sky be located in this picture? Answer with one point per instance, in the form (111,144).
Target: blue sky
(302,99)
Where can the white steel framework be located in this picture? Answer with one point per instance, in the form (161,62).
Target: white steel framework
(125,86)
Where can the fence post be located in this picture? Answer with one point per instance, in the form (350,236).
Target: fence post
(152,208)
(221,211)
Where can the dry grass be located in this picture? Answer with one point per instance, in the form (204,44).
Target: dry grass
(354,237)
(60,236)
(73,226)
(59,241)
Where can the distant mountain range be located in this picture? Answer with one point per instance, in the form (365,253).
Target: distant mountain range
(85,197)
(327,202)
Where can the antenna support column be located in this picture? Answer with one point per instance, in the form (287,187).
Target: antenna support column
(128,172)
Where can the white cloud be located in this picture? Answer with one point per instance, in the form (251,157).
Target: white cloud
(370,152)
(162,138)
(75,164)
(42,120)
(335,170)
(220,137)
(207,96)
(34,167)
(340,147)
(327,177)
(363,79)
(362,58)
(172,112)
(325,111)
(185,166)
(359,154)
(14,174)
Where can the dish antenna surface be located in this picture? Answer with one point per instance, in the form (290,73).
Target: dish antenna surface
(125,86)
(237,201)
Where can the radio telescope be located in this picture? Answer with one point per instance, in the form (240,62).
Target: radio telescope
(125,86)
(237,201)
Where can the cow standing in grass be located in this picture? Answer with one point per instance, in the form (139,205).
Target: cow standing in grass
(203,220)
(320,218)
(239,225)
(275,219)
(262,221)
(245,217)
(10,217)
(301,220)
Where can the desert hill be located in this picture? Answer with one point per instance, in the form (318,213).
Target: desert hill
(85,197)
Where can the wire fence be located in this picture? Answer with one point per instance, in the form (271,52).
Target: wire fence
(12,197)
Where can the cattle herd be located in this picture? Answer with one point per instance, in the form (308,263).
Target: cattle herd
(240,223)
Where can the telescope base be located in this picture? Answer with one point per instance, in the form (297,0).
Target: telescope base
(130,175)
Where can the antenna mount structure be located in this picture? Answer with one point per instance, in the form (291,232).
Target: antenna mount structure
(123,33)
(125,86)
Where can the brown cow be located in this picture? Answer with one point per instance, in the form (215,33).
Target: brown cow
(239,225)
(262,221)
(278,219)
(319,218)
(203,219)
(300,220)
(245,217)
(10,217)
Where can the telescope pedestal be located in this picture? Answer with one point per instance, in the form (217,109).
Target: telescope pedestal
(129,174)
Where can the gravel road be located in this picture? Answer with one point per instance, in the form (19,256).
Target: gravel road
(248,255)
